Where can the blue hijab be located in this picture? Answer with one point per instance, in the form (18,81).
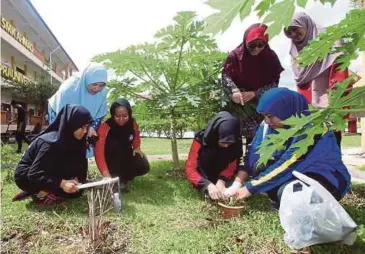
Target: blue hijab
(282,103)
(74,91)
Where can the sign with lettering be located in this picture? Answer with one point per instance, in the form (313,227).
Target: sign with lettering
(10,73)
(10,29)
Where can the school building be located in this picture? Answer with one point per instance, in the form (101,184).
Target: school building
(29,49)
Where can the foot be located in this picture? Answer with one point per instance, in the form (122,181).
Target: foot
(18,151)
(21,196)
(50,200)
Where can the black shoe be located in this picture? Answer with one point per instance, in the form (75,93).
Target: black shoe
(18,151)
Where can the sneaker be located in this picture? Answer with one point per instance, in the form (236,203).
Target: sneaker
(21,196)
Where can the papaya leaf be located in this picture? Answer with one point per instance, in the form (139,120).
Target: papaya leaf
(263,7)
(280,16)
(302,3)
(351,30)
(227,11)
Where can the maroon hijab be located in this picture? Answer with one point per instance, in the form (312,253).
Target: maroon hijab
(253,72)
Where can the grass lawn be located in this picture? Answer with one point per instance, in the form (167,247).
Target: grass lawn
(351,140)
(361,167)
(163,214)
(159,146)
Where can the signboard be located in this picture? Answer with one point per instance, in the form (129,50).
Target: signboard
(10,29)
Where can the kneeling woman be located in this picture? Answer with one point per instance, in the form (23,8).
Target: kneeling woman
(214,155)
(55,162)
(322,162)
(118,153)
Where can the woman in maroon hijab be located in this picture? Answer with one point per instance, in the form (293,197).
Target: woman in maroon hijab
(250,70)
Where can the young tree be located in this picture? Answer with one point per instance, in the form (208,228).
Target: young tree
(170,69)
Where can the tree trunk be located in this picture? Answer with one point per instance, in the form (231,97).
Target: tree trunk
(175,154)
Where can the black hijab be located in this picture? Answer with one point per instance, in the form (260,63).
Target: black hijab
(121,133)
(60,132)
(213,159)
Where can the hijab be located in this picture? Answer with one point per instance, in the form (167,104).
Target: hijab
(283,103)
(222,128)
(60,133)
(305,75)
(75,91)
(121,133)
(253,72)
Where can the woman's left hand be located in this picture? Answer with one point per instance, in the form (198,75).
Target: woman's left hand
(242,193)
(138,150)
(91,132)
(247,96)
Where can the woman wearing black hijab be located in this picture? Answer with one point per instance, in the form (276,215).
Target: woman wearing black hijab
(118,153)
(55,162)
(214,155)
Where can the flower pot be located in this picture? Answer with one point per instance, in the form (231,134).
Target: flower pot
(230,211)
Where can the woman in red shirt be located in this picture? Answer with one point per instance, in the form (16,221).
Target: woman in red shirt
(214,155)
(118,153)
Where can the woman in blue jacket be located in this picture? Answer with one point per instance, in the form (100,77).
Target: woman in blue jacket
(322,162)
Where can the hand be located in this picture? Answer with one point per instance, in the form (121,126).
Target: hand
(69,186)
(221,185)
(247,96)
(214,192)
(237,97)
(138,150)
(232,190)
(242,193)
(91,132)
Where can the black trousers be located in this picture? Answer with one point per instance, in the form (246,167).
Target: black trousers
(20,136)
(138,166)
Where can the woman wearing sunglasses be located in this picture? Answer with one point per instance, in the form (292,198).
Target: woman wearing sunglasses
(313,81)
(250,70)
(88,91)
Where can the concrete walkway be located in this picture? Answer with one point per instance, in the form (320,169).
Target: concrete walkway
(354,157)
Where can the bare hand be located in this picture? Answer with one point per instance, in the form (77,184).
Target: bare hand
(221,185)
(237,97)
(214,192)
(138,150)
(247,96)
(242,193)
(91,132)
(69,186)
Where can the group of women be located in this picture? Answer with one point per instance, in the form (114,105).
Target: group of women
(55,162)
(250,78)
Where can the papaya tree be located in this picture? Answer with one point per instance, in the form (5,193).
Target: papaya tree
(278,14)
(170,69)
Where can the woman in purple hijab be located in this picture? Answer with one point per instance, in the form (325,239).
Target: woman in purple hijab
(313,81)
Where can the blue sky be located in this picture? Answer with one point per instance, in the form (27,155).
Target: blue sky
(89,27)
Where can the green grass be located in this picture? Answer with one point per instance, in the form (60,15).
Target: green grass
(162,214)
(159,146)
(361,167)
(351,141)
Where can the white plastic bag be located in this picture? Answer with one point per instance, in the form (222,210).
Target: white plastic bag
(310,215)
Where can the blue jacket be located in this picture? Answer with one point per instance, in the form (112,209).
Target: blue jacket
(324,158)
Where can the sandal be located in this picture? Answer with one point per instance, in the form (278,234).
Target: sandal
(50,200)
(21,196)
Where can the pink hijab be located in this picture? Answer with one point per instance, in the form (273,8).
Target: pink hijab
(305,75)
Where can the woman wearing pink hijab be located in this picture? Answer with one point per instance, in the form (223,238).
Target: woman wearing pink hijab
(313,80)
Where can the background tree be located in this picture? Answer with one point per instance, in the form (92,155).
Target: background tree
(173,69)
(37,92)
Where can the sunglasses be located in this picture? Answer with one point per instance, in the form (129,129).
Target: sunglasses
(256,45)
